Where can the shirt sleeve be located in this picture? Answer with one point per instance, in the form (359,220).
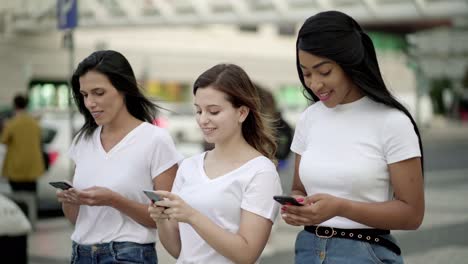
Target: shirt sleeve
(179,179)
(400,141)
(5,135)
(165,154)
(298,144)
(258,196)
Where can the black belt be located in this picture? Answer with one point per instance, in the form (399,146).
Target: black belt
(366,235)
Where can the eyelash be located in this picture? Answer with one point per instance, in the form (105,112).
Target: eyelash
(96,93)
(213,113)
(323,74)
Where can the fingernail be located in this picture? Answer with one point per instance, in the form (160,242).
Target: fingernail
(300,199)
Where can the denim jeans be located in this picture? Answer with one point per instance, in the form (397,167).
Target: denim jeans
(114,252)
(311,249)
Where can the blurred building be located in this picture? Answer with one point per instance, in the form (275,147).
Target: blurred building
(170,42)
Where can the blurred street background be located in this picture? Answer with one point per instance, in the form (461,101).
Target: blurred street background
(421,48)
(441,238)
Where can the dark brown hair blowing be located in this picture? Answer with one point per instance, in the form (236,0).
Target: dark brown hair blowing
(240,91)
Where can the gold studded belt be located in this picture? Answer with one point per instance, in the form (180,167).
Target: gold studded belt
(363,234)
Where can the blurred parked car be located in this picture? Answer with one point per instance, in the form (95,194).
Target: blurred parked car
(57,136)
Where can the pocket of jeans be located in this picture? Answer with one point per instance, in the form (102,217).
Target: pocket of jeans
(129,255)
(382,255)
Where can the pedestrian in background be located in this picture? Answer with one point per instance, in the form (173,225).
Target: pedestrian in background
(358,170)
(118,153)
(24,163)
(221,208)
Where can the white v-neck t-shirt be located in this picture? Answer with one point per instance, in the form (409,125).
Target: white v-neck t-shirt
(250,187)
(128,168)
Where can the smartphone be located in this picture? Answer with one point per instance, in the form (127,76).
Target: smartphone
(286,200)
(152,196)
(61,185)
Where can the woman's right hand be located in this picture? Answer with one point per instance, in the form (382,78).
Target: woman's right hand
(67,196)
(288,220)
(157,212)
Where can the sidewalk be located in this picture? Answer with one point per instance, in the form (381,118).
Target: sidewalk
(443,128)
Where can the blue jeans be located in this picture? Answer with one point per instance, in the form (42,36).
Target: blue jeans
(311,249)
(114,252)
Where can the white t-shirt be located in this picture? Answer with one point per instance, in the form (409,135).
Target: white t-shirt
(345,151)
(250,187)
(128,168)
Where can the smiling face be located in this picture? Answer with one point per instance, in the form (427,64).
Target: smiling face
(216,116)
(101,98)
(327,80)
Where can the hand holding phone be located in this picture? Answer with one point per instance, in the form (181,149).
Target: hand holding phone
(152,195)
(286,200)
(61,185)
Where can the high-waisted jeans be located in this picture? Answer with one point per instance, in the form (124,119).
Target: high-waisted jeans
(114,252)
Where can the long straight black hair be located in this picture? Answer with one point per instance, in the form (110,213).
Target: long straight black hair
(337,36)
(119,72)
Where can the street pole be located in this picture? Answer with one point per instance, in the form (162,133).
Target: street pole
(71,60)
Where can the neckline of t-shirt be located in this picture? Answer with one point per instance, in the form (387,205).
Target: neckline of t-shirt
(203,172)
(120,143)
(353,105)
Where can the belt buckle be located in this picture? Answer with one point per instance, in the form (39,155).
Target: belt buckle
(332,231)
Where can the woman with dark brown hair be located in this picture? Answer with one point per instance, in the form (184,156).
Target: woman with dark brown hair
(221,209)
(118,152)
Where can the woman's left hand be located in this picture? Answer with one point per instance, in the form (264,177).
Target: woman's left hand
(96,196)
(317,209)
(177,209)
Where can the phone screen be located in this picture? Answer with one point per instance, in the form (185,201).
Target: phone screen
(286,200)
(61,185)
(152,196)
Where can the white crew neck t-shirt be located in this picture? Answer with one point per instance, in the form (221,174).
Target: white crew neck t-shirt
(250,187)
(345,151)
(128,168)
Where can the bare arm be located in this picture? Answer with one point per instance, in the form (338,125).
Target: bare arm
(70,211)
(297,186)
(169,236)
(69,208)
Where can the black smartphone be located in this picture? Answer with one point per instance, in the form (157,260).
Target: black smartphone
(61,185)
(286,200)
(152,196)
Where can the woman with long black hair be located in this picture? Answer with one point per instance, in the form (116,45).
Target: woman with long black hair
(118,152)
(358,170)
